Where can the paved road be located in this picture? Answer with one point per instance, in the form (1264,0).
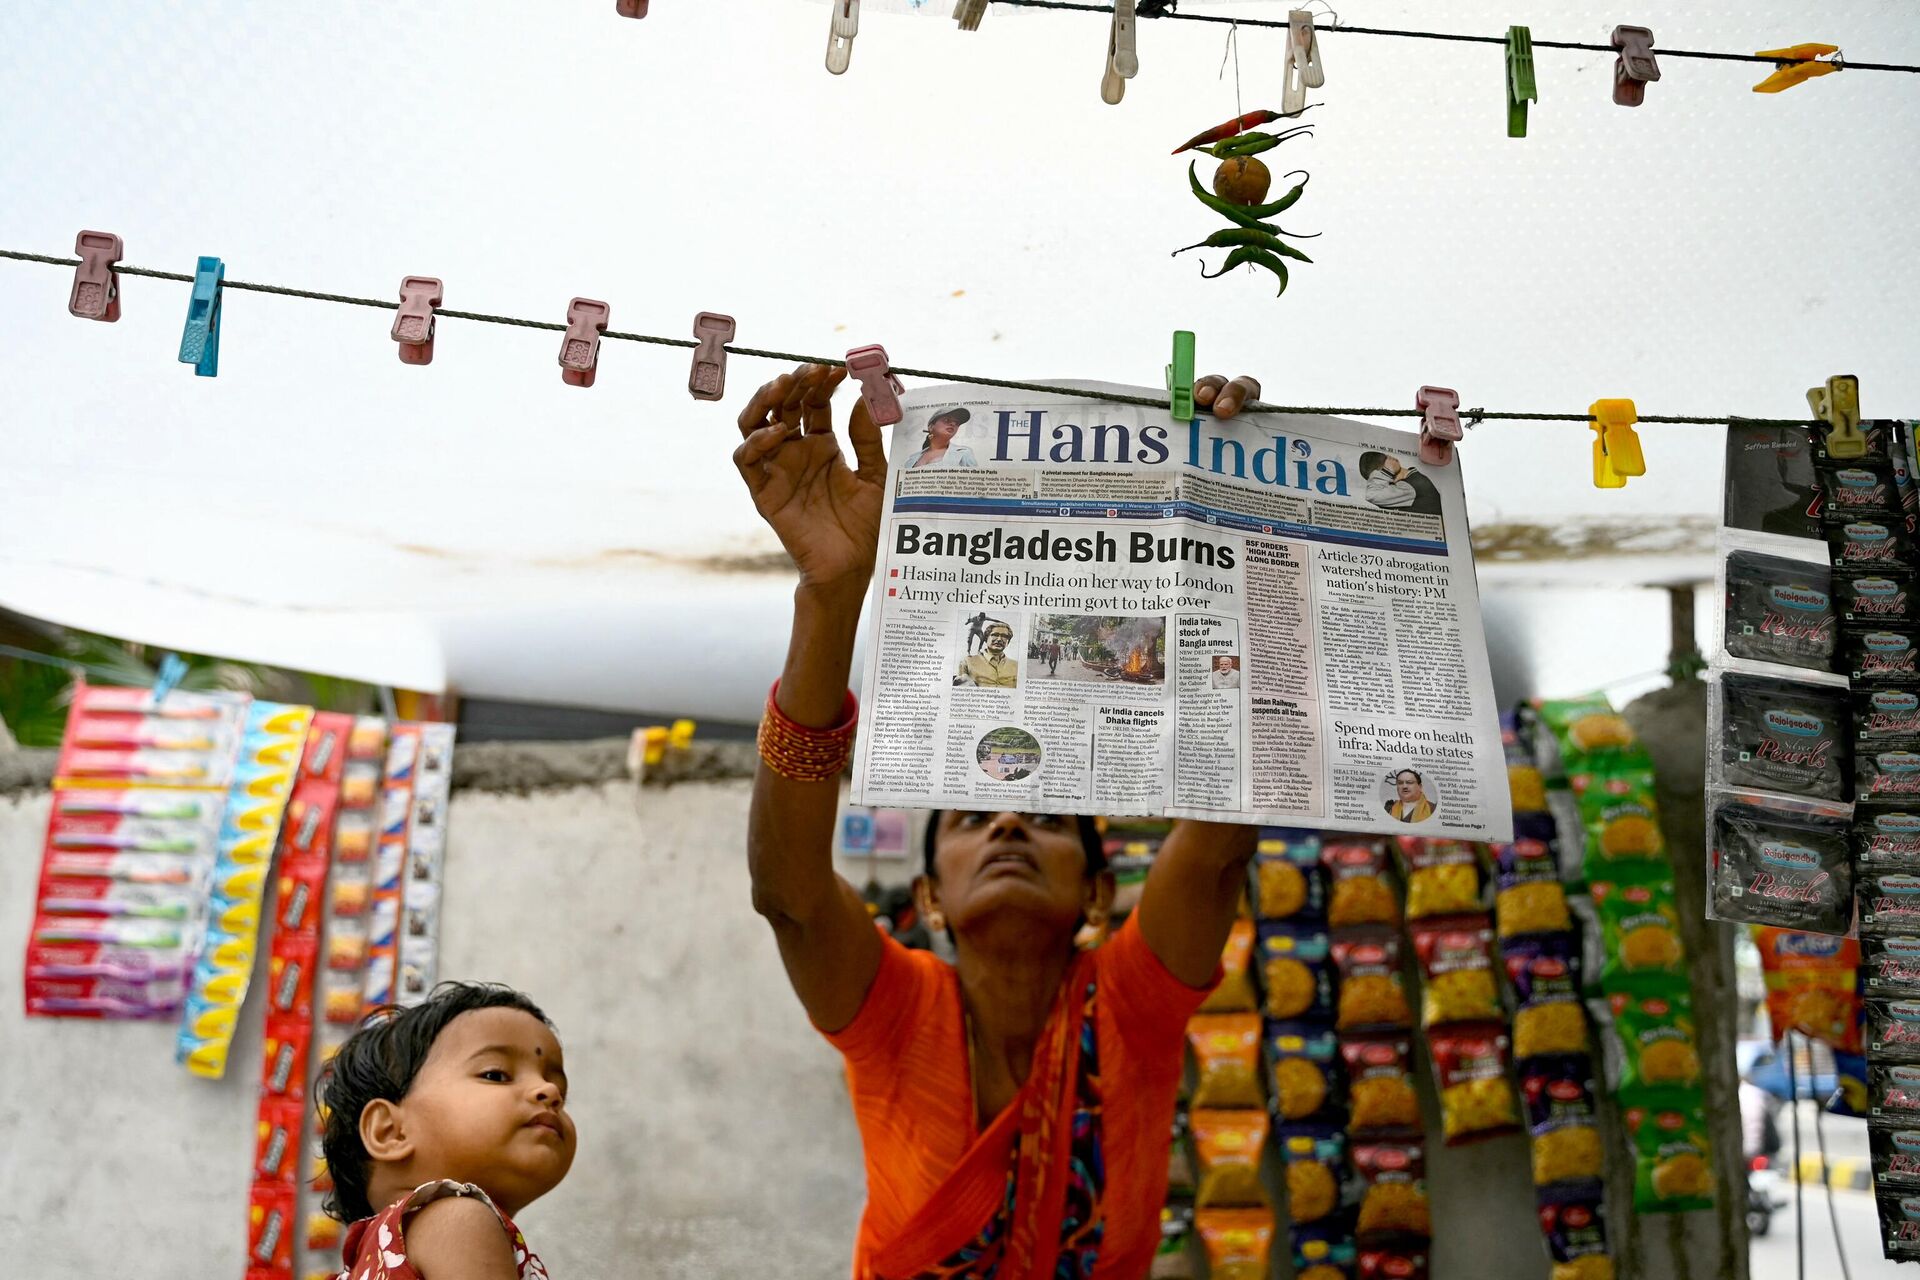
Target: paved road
(1775,1257)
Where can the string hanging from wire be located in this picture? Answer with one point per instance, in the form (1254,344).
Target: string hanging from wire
(1472,417)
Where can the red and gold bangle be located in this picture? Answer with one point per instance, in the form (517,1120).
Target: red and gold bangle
(800,754)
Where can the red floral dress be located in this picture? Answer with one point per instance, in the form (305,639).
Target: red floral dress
(376,1248)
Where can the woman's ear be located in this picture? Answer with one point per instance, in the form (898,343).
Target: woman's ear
(926,897)
(1099,899)
(383,1131)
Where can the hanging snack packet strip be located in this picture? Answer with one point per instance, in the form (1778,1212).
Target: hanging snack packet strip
(1780,611)
(1235,992)
(389,867)
(1774,866)
(1289,880)
(426,862)
(1779,735)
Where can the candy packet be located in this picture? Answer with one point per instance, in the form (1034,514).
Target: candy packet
(1315,1159)
(1393,1203)
(1297,971)
(1888,773)
(1226,1050)
(1858,490)
(1237,1242)
(1655,1035)
(1811,984)
(1779,610)
(1870,600)
(1879,657)
(1235,992)
(1528,897)
(1443,877)
(1886,838)
(1641,930)
(1372,994)
(1470,1072)
(1380,1093)
(1890,964)
(1456,961)
(1672,1171)
(1893,1092)
(1895,1151)
(1227,1147)
(1892,1029)
(1783,735)
(1305,1064)
(1883,715)
(1360,892)
(1899,1223)
(1871,545)
(1771,865)
(1289,880)
(1562,1119)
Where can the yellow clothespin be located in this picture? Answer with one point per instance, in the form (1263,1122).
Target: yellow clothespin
(1838,405)
(656,744)
(1616,448)
(1802,65)
(681,736)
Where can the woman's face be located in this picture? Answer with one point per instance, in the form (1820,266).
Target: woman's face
(1032,864)
(1408,787)
(941,432)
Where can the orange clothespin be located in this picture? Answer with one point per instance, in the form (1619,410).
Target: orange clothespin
(1800,63)
(1838,405)
(580,349)
(96,285)
(1439,424)
(1616,447)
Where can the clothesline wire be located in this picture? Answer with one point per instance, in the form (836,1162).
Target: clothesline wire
(1471,417)
(1073,6)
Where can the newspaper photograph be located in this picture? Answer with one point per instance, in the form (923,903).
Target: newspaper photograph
(1087,607)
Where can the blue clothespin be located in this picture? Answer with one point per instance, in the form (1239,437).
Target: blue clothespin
(1180,378)
(173,669)
(200,340)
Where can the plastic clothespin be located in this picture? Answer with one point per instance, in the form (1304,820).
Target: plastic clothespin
(1635,68)
(878,386)
(708,380)
(580,349)
(1801,65)
(1302,68)
(1838,405)
(1616,447)
(413,327)
(1440,424)
(173,669)
(846,25)
(680,737)
(1522,85)
(1180,378)
(630,8)
(1123,58)
(968,14)
(200,340)
(96,285)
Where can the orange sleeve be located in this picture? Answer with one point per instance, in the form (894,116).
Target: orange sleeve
(1150,1004)
(893,1006)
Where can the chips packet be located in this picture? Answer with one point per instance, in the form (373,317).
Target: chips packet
(1574,1220)
(1589,732)
(1372,994)
(1304,1060)
(1526,787)
(1227,1147)
(1672,1171)
(1811,985)
(1543,967)
(1235,992)
(1655,1035)
(1323,1251)
(1315,1159)
(1879,657)
(1289,880)
(1237,1242)
(1296,970)
(1470,1073)
(1878,546)
(1779,610)
(1380,1094)
(1774,866)
(1562,1119)
(1622,820)
(1393,1204)
(1786,736)
(1226,1050)
(1892,1029)
(1393,1264)
(1528,896)
(1443,877)
(1888,773)
(1360,892)
(1641,932)
(1456,962)
(1870,600)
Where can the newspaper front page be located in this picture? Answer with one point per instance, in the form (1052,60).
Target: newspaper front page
(1086,607)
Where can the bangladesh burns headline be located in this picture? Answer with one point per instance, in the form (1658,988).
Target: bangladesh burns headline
(1047,547)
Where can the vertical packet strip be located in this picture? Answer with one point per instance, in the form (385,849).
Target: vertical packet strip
(270,751)
(389,867)
(129,852)
(306,842)
(426,865)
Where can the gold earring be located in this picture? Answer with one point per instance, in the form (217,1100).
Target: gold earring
(1097,918)
(936,921)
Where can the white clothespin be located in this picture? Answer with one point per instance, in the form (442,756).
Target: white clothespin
(1303,69)
(968,13)
(846,25)
(1123,60)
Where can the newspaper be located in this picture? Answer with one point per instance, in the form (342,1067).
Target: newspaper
(1086,607)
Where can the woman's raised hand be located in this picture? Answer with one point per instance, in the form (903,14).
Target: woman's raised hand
(826,514)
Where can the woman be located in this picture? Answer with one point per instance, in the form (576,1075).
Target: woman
(938,448)
(1015,1106)
(1410,803)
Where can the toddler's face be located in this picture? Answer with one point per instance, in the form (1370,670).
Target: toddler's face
(489,1106)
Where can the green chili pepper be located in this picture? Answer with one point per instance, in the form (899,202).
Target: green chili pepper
(1250,256)
(1244,215)
(1259,238)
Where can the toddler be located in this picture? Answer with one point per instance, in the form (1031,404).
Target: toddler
(441,1122)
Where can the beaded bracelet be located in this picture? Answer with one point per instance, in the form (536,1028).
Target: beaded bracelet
(800,754)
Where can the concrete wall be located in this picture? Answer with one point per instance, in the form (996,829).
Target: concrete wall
(715,1134)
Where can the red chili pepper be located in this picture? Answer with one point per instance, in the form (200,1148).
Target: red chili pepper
(1251,120)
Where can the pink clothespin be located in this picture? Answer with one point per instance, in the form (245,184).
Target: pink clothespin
(96,285)
(708,380)
(413,327)
(878,387)
(1635,67)
(630,8)
(1439,425)
(580,349)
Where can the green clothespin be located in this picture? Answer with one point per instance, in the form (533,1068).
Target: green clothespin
(1521,84)
(1180,378)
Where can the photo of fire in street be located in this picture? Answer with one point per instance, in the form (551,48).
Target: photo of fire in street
(1093,649)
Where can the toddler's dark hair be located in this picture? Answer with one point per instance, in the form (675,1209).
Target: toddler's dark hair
(380,1060)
